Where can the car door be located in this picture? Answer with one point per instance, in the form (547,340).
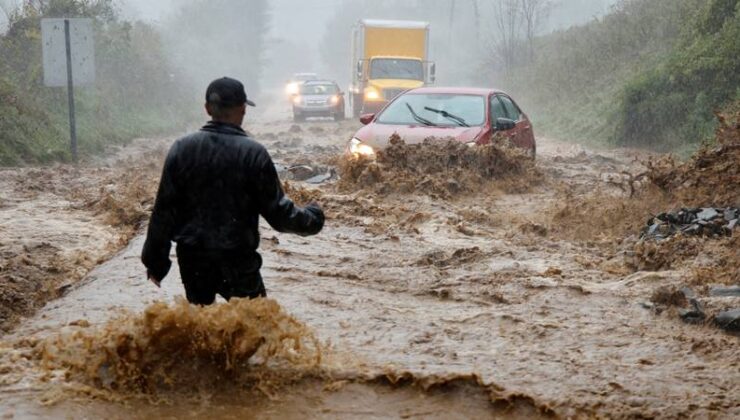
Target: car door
(497,111)
(522,133)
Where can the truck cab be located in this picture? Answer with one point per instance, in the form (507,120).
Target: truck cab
(389,58)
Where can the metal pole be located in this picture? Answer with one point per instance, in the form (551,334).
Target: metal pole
(70,91)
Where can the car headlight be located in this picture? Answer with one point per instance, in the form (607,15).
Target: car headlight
(297,100)
(334,100)
(372,94)
(358,148)
(291,88)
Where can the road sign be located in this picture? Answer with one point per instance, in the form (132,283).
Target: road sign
(69,60)
(55,51)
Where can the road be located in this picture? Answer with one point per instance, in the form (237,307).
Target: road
(481,292)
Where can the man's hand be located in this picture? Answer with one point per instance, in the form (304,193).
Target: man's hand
(156,282)
(315,208)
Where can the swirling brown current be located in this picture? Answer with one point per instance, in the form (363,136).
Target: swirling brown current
(235,360)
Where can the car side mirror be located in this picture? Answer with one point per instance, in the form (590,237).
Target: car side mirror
(366,119)
(504,124)
(359,70)
(433,73)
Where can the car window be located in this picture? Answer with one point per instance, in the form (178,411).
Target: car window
(314,89)
(459,109)
(497,109)
(511,110)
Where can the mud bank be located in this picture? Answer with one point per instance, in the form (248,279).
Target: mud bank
(57,223)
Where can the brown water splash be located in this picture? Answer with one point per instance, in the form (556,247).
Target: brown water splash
(170,346)
(440,168)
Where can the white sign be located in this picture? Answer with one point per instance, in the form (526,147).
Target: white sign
(55,51)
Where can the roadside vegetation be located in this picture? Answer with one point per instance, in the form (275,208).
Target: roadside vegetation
(133,96)
(648,74)
(147,81)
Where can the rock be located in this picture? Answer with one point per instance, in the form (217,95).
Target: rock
(318,179)
(281,170)
(697,222)
(63,289)
(453,186)
(688,293)
(647,305)
(707,214)
(693,315)
(731,214)
(302,172)
(728,320)
(733,291)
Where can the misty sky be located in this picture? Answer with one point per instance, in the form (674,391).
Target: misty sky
(298,26)
(303,20)
(293,20)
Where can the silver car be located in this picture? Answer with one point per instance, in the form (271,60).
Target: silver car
(318,98)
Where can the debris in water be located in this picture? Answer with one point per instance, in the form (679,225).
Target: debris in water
(728,320)
(319,179)
(693,315)
(733,291)
(696,222)
(311,174)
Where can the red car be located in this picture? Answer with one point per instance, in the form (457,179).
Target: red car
(469,115)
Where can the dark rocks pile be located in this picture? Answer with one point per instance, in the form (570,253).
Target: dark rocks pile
(691,308)
(695,222)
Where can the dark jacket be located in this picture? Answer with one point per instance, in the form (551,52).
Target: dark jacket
(214,186)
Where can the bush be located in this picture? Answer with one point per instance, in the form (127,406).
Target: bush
(134,94)
(650,74)
(674,103)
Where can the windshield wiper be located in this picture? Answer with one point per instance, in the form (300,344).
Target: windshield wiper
(459,120)
(418,118)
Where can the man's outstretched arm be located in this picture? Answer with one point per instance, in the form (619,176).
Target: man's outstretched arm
(156,252)
(279,211)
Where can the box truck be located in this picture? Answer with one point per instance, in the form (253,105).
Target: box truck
(388,58)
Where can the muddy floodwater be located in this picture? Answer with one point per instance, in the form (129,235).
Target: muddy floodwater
(467,304)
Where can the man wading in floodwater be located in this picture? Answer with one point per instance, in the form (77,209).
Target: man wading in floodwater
(214,186)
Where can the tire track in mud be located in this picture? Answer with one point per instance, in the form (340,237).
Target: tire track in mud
(449,294)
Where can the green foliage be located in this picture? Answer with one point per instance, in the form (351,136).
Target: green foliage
(649,74)
(673,104)
(134,94)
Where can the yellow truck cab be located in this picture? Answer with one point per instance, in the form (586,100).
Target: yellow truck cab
(388,58)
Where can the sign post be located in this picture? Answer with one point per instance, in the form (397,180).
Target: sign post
(69,60)
(70,91)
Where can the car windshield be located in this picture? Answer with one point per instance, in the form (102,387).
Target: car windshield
(315,89)
(444,110)
(393,68)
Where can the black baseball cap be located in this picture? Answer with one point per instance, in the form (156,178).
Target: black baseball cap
(227,92)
